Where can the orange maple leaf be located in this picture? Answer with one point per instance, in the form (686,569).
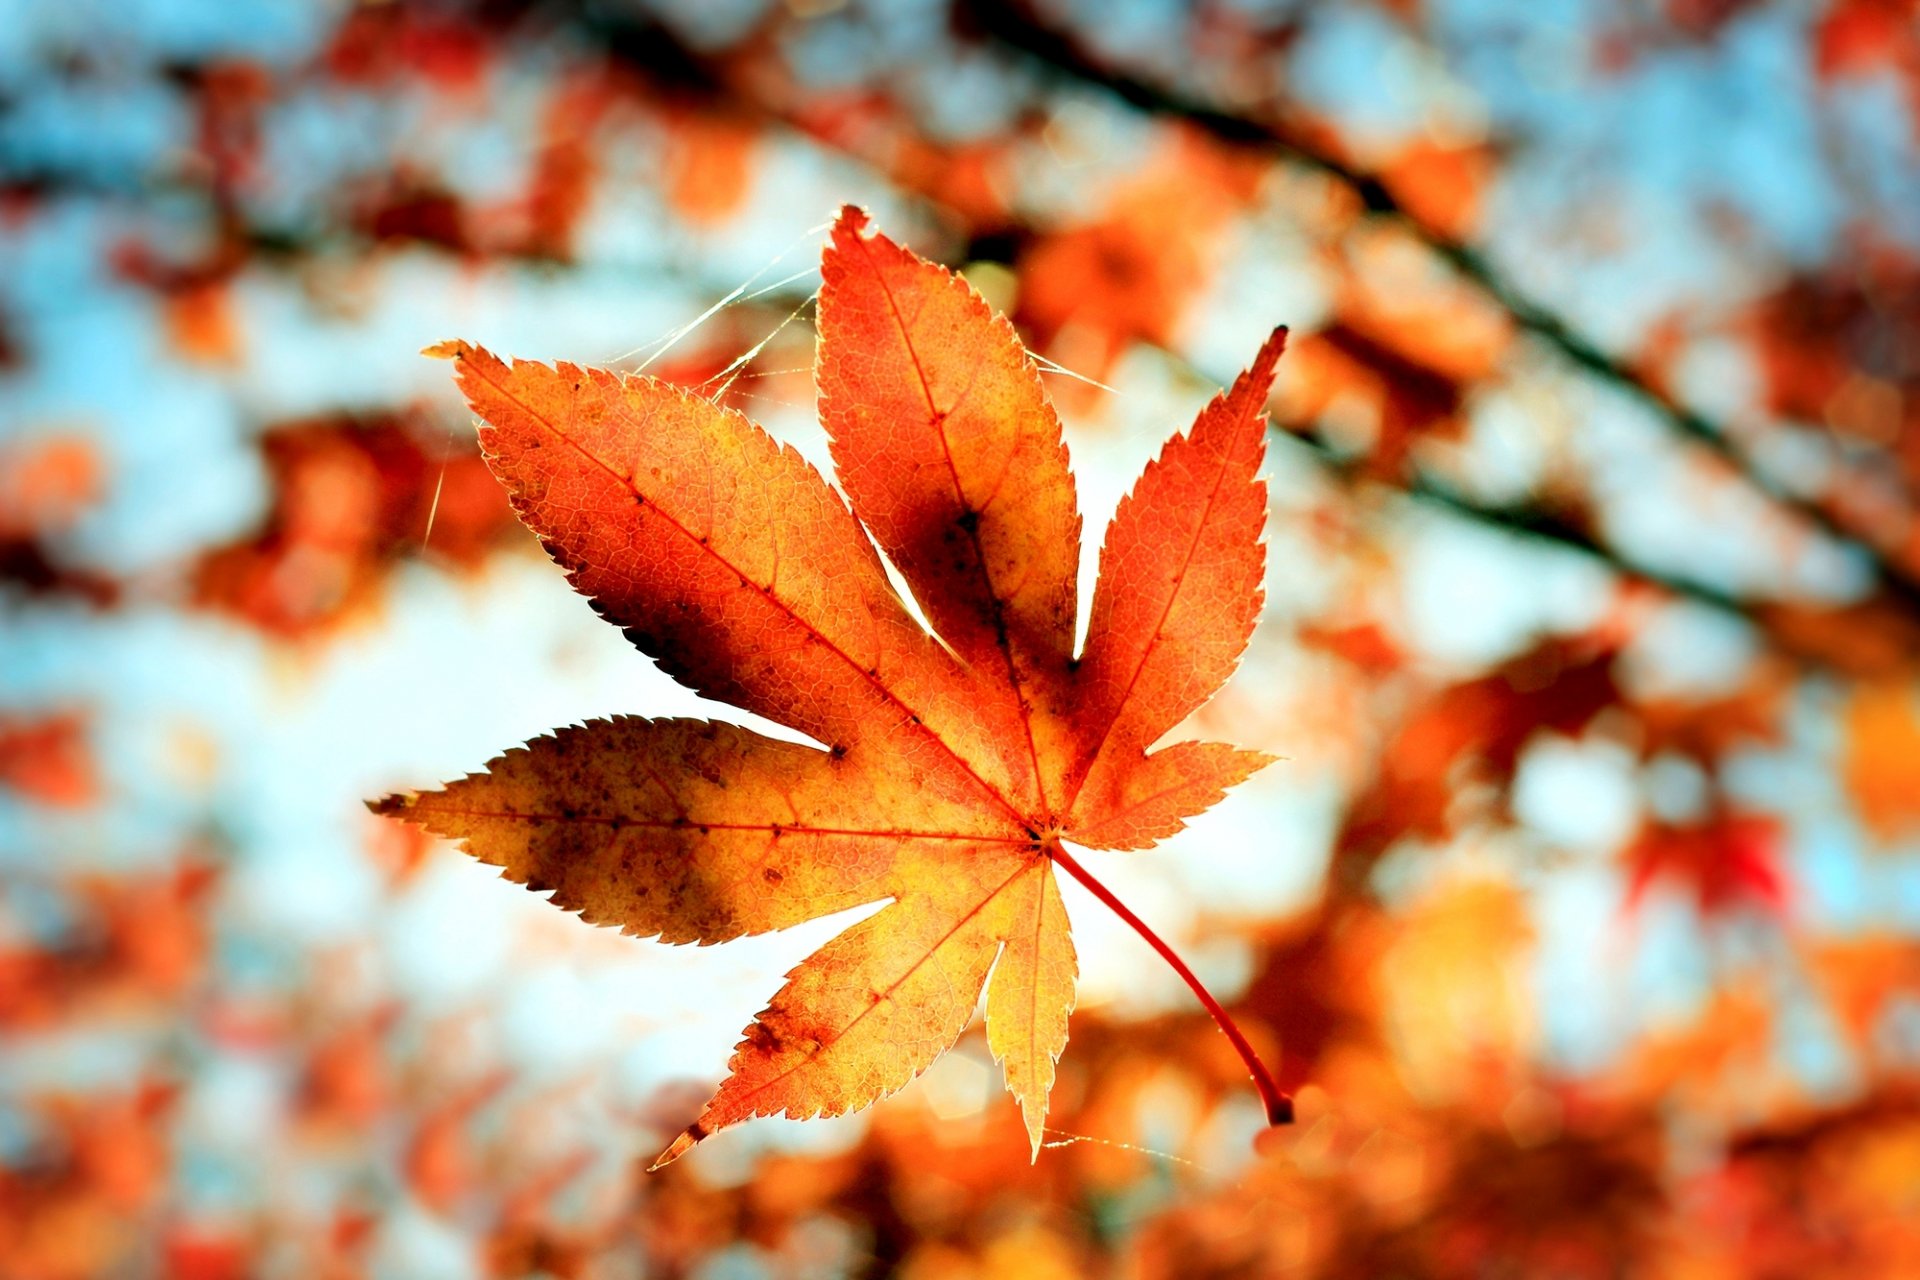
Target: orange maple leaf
(955,765)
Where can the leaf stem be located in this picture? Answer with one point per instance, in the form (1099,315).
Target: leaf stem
(1279,1105)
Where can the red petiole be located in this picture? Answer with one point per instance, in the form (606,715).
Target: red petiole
(1279,1105)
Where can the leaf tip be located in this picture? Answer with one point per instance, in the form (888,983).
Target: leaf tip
(451,349)
(393,805)
(852,221)
(1269,356)
(678,1147)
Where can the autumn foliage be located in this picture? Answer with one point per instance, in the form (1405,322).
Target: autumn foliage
(953,767)
(1570,593)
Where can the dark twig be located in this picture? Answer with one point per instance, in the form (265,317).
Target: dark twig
(1009,25)
(699,80)
(1530,521)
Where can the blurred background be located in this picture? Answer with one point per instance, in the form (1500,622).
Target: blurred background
(1583,914)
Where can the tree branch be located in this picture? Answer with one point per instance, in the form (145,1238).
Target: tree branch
(702,78)
(1008,24)
(647,48)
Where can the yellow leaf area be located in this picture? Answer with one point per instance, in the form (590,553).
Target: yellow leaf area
(1454,988)
(951,765)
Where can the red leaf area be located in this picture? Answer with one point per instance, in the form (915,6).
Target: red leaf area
(350,499)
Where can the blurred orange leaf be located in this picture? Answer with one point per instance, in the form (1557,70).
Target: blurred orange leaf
(1091,289)
(1882,756)
(351,498)
(47,759)
(1441,185)
(45,484)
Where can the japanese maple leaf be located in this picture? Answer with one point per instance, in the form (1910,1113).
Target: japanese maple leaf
(953,764)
